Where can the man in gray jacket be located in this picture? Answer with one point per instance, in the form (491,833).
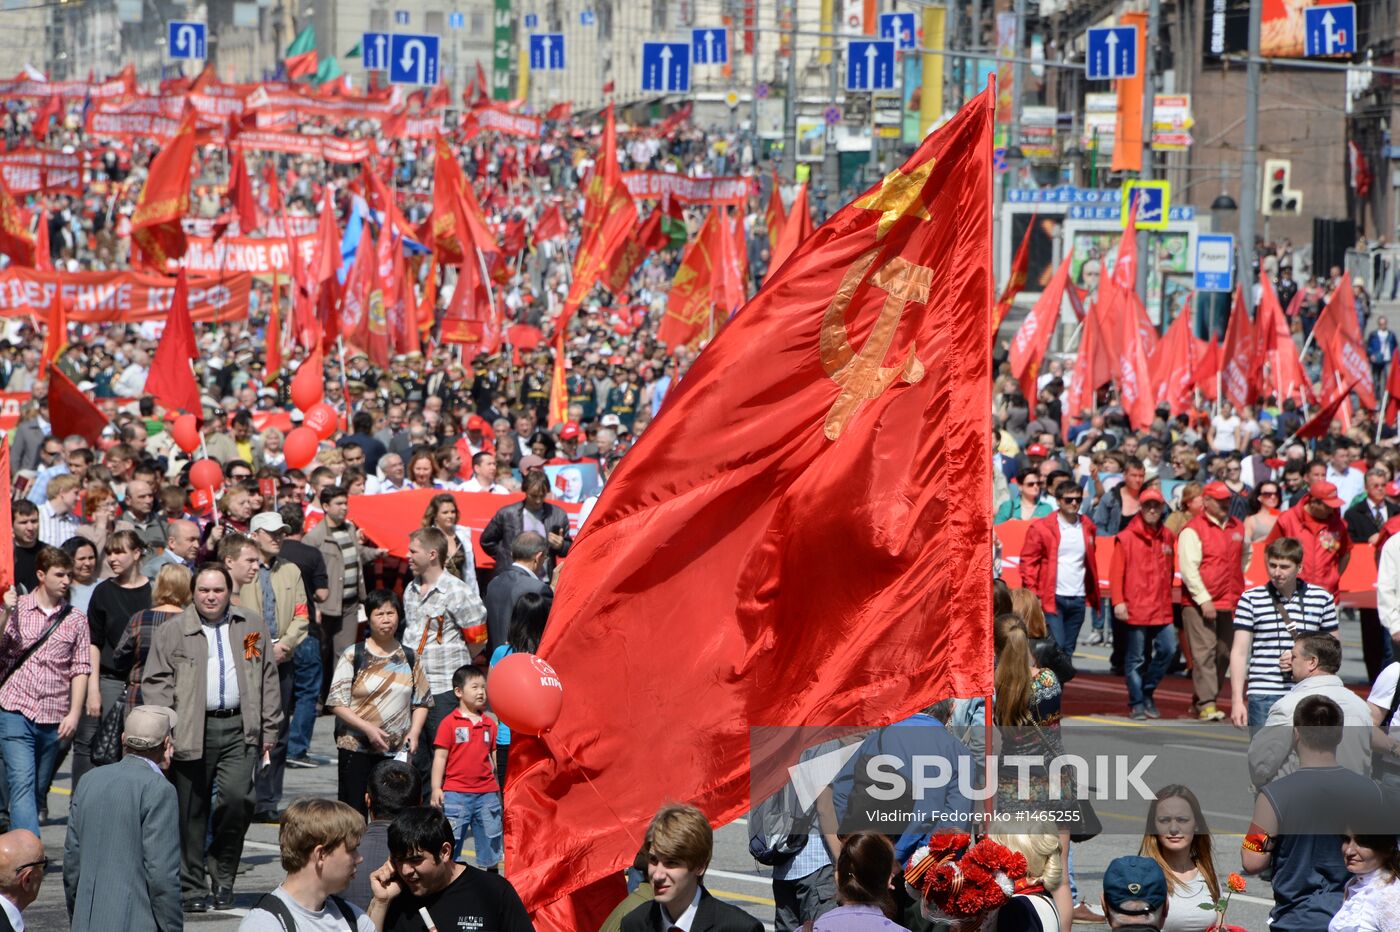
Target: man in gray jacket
(213,665)
(121,855)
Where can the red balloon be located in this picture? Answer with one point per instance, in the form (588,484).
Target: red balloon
(206,474)
(525,693)
(300,447)
(309,382)
(185,433)
(322,419)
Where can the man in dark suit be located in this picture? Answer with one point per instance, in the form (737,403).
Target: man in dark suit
(122,852)
(679,844)
(533,513)
(523,575)
(22,865)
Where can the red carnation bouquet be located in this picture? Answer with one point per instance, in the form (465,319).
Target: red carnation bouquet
(959,878)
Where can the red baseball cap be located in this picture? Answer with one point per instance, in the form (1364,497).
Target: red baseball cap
(1326,493)
(1151,494)
(1218,491)
(570,431)
(1037,449)
(476,422)
(1392,488)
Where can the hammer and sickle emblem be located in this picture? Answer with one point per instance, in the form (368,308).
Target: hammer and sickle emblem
(862,374)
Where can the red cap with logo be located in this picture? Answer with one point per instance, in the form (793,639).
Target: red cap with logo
(1037,449)
(569,431)
(1218,491)
(1151,494)
(476,422)
(1326,493)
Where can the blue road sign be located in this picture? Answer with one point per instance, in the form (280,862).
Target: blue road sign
(901,28)
(547,51)
(1152,199)
(666,67)
(1112,53)
(532,20)
(709,46)
(1329,30)
(374,51)
(185,40)
(413,59)
(401,17)
(870,65)
(456,20)
(1215,262)
(586,18)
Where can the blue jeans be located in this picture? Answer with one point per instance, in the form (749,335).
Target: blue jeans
(306,689)
(1258,707)
(1140,685)
(1065,624)
(482,813)
(29,750)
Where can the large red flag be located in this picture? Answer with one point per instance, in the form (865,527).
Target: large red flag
(690,303)
(722,575)
(1338,332)
(157,225)
(1171,364)
(1020,267)
(550,225)
(72,412)
(1237,376)
(774,216)
(55,329)
(1205,366)
(357,294)
(1317,426)
(1133,373)
(7,534)
(796,229)
(648,238)
(558,388)
(1274,350)
(1083,383)
(1392,391)
(171,380)
(1033,336)
(15,239)
(43,249)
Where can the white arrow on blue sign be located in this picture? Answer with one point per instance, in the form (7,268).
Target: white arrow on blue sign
(532,20)
(709,46)
(1215,262)
(900,27)
(547,51)
(666,67)
(401,17)
(456,20)
(185,40)
(413,59)
(870,65)
(374,51)
(1329,30)
(1112,53)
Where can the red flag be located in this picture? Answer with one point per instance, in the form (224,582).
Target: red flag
(15,238)
(470,318)
(483,86)
(55,329)
(796,229)
(1392,390)
(609,218)
(314,316)
(382,199)
(513,238)
(1274,350)
(274,193)
(1020,267)
(551,225)
(43,251)
(274,328)
(1205,366)
(240,192)
(774,216)
(559,112)
(171,380)
(558,390)
(1237,356)
(649,238)
(72,412)
(1171,364)
(1033,336)
(1079,396)
(690,303)
(800,380)
(53,106)
(356,296)
(7,534)
(1133,374)
(1338,332)
(157,225)
(1317,426)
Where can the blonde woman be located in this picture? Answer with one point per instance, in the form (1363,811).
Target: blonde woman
(1032,907)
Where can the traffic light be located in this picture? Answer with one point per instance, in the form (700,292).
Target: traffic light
(1279,196)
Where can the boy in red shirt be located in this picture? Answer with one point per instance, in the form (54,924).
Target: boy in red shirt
(464,770)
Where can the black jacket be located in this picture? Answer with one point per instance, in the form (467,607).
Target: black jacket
(1361,524)
(508,523)
(711,915)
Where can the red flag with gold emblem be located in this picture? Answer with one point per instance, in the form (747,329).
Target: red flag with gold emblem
(724,573)
(157,225)
(690,303)
(55,329)
(15,239)
(609,219)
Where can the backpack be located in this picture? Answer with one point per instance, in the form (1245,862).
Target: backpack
(357,665)
(779,827)
(273,904)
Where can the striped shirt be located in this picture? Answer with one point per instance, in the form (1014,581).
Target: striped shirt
(40,689)
(350,555)
(54,529)
(440,620)
(1310,610)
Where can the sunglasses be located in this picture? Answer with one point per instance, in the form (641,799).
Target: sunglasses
(1072,499)
(1268,495)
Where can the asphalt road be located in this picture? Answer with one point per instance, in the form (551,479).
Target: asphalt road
(1211,760)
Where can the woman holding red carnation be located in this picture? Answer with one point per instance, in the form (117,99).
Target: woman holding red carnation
(1178,839)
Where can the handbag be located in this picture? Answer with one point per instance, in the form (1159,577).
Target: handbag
(1088,825)
(106,745)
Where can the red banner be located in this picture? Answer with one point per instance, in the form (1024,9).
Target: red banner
(295,224)
(498,121)
(403,126)
(261,256)
(121,297)
(330,148)
(157,128)
(650,185)
(80,90)
(29,170)
(11,404)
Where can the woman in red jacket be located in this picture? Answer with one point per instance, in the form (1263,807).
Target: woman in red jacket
(1141,584)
